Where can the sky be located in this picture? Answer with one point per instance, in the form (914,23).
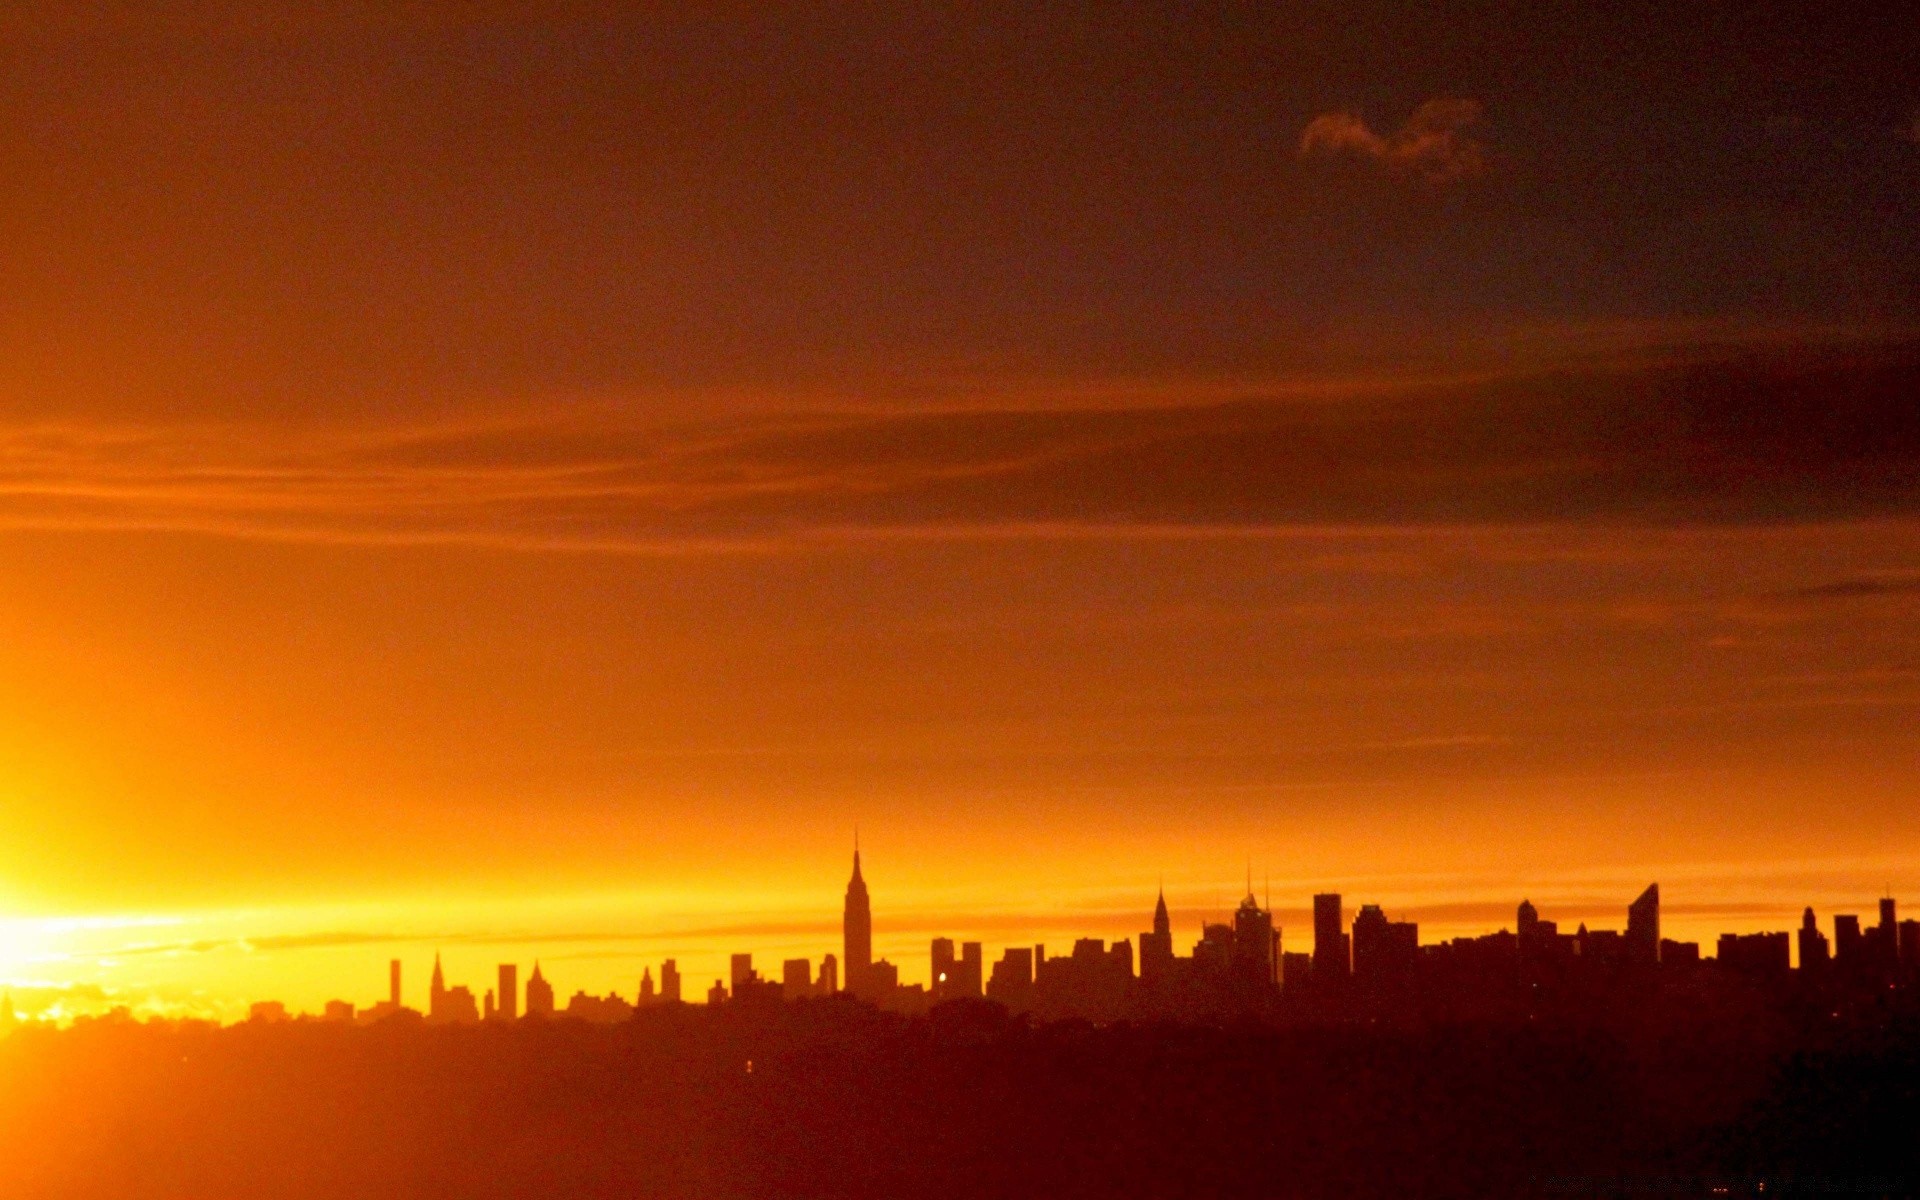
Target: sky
(529,480)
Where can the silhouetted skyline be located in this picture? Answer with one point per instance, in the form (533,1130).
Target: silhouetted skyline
(1375,966)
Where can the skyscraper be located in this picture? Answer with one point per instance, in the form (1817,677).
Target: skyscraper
(796,978)
(1253,943)
(669,982)
(942,974)
(972,967)
(1369,943)
(393,983)
(1156,948)
(857,929)
(508,992)
(828,981)
(1643,928)
(1331,959)
(1813,943)
(1846,939)
(1886,936)
(437,990)
(539,993)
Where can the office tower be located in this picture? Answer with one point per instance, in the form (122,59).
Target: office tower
(338,1010)
(1886,937)
(393,983)
(1643,928)
(1754,953)
(1813,944)
(1012,979)
(1679,954)
(856,924)
(741,972)
(509,991)
(646,986)
(1295,970)
(437,990)
(941,973)
(1846,940)
(796,978)
(539,993)
(1331,961)
(972,968)
(882,978)
(455,1004)
(1253,943)
(1156,948)
(717,994)
(829,979)
(1910,944)
(1369,944)
(669,982)
(1534,939)
(1213,953)
(487,1010)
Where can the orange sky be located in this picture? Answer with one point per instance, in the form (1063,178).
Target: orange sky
(529,486)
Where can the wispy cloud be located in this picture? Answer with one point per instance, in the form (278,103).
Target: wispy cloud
(1433,144)
(1753,439)
(1853,589)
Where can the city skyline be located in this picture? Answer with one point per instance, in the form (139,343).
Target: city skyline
(537,477)
(1348,940)
(163,967)
(1284,599)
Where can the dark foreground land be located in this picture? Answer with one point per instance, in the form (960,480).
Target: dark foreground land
(830,1098)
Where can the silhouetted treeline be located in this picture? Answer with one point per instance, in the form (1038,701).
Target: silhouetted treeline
(832,1098)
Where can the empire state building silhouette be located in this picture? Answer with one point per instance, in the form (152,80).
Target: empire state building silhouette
(857,927)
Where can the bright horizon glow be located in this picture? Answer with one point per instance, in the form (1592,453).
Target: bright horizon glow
(214,964)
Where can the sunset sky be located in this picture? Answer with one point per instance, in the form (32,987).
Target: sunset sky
(528,480)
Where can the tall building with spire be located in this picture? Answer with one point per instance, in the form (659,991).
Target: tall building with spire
(856,925)
(539,993)
(1156,948)
(437,990)
(1255,943)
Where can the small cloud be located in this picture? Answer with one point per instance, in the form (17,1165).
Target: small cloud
(1851,589)
(1432,145)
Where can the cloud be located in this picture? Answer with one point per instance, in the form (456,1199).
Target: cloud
(1853,589)
(1758,437)
(1432,145)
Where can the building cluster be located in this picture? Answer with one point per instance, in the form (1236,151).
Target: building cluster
(1372,961)
(1236,965)
(507,1000)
